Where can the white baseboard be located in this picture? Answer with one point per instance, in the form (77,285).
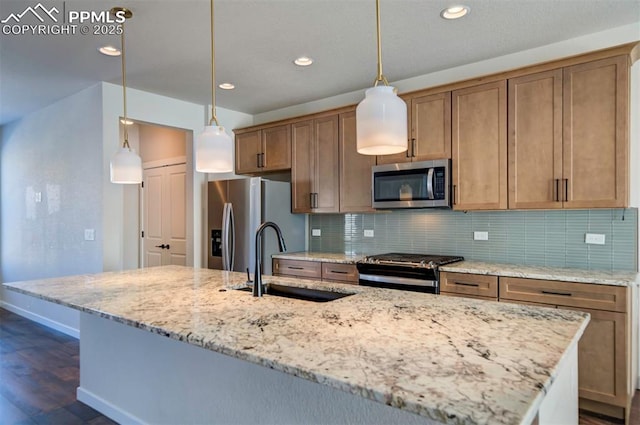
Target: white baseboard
(106,408)
(72,332)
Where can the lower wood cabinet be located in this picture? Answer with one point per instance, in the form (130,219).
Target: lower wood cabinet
(297,268)
(335,272)
(606,374)
(469,285)
(340,272)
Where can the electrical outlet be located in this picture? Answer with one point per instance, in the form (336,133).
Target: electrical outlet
(89,234)
(38,197)
(316,232)
(594,238)
(480,236)
(368,233)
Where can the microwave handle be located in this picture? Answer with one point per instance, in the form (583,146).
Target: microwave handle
(430,184)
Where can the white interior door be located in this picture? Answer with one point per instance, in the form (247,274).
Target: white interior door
(164,216)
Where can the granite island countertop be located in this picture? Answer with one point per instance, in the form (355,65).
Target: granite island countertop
(455,360)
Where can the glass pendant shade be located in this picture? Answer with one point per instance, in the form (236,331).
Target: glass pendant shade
(126,167)
(214,151)
(381,122)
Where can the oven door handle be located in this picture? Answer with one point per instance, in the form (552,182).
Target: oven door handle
(398,280)
(430,184)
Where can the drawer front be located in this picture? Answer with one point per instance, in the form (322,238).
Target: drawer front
(567,294)
(340,272)
(469,284)
(298,268)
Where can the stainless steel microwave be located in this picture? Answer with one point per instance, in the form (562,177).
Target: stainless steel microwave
(424,184)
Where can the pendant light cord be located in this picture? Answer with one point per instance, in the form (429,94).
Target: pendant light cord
(124,90)
(380,77)
(214,118)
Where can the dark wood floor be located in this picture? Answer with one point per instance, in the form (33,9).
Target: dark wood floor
(39,374)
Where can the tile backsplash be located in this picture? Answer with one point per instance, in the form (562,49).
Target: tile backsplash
(546,238)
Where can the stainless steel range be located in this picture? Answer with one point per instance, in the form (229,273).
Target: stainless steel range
(409,272)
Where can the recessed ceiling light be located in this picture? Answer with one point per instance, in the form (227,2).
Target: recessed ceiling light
(455,12)
(109,51)
(126,122)
(303,61)
(227,86)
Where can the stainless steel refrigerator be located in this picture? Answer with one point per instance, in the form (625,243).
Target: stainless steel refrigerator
(236,208)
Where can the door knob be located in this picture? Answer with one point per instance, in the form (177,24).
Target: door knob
(163,246)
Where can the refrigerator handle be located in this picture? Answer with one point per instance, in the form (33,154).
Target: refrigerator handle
(231,238)
(225,237)
(223,244)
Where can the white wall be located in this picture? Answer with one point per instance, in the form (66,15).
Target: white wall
(51,190)
(51,185)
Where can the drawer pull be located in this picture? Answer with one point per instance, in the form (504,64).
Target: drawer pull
(338,271)
(467,284)
(564,294)
(295,268)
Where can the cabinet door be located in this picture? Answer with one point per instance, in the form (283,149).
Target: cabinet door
(596,109)
(326,165)
(355,169)
(602,353)
(276,148)
(248,150)
(479,147)
(302,166)
(535,141)
(431,127)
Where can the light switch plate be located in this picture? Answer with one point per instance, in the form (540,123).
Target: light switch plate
(89,234)
(480,236)
(316,232)
(594,238)
(368,233)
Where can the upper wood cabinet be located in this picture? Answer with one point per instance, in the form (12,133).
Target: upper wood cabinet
(264,150)
(429,123)
(596,134)
(355,169)
(314,180)
(568,137)
(479,147)
(535,140)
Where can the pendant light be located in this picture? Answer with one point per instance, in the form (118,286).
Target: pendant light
(214,147)
(381,118)
(126,165)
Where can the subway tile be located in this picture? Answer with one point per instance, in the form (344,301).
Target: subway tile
(552,238)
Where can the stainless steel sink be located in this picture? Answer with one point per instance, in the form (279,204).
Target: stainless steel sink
(307,294)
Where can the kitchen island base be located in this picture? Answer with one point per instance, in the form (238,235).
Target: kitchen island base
(137,377)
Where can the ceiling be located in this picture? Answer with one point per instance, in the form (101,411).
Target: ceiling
(257,40)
